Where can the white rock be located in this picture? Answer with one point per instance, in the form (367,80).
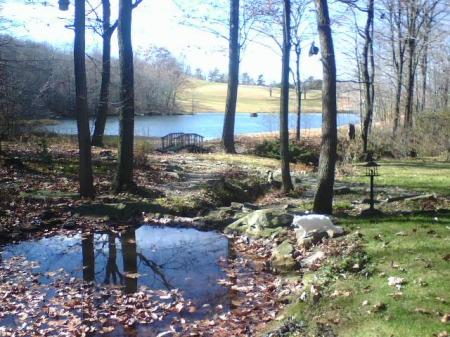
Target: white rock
(315,226)
(395,281)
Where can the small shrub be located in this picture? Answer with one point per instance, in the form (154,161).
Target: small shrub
(44,153)
(141,154)
(298,152)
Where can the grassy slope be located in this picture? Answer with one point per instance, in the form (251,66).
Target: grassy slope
(211,97)
(415,174)
(417,256)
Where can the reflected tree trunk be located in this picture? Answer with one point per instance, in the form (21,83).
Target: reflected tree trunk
(87,252)
(129,255)
(112,271)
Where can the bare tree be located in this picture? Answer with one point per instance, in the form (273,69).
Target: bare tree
(236,29)
(124,177)
(418,14)
(368,74)
(284,98)
(233,79)
(103,102)
(84,137)
(323,199)
(398,46)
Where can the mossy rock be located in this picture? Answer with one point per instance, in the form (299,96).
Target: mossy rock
(261,223)
(282,259)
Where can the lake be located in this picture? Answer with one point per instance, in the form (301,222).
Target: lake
(208,125)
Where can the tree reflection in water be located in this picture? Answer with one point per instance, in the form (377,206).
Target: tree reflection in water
(129,255)
(87,249)
(159,258)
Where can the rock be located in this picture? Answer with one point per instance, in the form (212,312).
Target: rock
(282,259)
(172,175)
(173,168)
(312,259)
(236,205)
(249,206)
(312,228)
(69,224)
(261,223)
(396,281)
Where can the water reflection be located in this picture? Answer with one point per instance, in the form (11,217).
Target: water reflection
(87,249)
(129,256)
(159,258)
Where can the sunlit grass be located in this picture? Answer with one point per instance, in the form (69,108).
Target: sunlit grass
(424,175)
(417,256)
(202,96)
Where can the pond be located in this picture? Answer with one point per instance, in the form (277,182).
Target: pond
(209,125)
(160,259)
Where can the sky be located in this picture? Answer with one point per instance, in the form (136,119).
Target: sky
(156,23)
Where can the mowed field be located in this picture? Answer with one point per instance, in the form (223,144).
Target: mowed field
(203,96)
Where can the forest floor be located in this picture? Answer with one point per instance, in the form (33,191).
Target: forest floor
(344,293)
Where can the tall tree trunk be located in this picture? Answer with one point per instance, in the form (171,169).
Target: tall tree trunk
(424,61)
(102,108)
(323,200)
(84,136)
(124,178)
(233,79)
(284,99)
(368,75)
(298,88)
(398,55)
(409,104)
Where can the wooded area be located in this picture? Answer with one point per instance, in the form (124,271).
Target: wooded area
(336,231)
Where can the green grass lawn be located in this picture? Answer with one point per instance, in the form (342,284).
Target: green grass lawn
(202,96)
(414,247)
(424,175)
(417,255)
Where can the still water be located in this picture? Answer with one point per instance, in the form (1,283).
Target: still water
(164,258)
(209,125)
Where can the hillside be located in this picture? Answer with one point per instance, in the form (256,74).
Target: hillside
(203,96)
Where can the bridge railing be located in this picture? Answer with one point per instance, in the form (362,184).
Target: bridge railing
(181,140)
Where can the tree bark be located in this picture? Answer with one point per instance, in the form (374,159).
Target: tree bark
(408,122)
(398,55)
(298,89)
(323,199)
(103,102)
(84,136)
(124,178)
(233,79)
(284,99)
(368,75)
